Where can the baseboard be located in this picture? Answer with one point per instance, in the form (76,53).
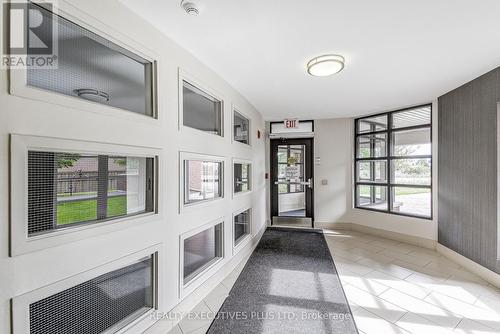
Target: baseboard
(162,326)
(483,272)
(401,237)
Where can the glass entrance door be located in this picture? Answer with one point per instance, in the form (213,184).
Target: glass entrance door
(292,182)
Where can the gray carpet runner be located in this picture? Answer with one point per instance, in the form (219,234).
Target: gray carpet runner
(289,285)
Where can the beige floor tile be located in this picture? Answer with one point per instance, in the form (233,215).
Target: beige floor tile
(374,304)
(363,283)
(398,284)
(467,326)
(197,318)
(216,298)
(418,260)
(370,323)
(421,308)
(175,330)
(390,268)
(418,325)
(473,312)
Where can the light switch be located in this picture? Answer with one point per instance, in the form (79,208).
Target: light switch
(324,182)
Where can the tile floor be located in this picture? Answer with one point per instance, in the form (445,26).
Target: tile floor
(393,287)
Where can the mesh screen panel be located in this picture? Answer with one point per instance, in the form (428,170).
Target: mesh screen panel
(112,299)
(65,189)
(86,61)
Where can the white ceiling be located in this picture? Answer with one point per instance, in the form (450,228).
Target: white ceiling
(398,52)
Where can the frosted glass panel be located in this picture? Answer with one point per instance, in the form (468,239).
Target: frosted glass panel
(202,249)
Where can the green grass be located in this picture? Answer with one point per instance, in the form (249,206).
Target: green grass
(81,211)
(365,191)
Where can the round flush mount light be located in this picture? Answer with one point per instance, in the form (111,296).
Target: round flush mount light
(325,65)
(192,7)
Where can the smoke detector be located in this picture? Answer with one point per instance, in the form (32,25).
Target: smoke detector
(192,7)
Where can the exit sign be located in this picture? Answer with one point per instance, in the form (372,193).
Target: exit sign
(291,123)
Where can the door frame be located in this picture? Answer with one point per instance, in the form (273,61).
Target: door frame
(309,164)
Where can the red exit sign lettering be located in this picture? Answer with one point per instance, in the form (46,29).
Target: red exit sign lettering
(291,123)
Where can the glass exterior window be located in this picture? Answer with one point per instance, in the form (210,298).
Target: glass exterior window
(241,226)
(68,189)
(394,162)
(200,110)
(93,68)
(241,128)
(203,180)
(242,177)
(202,250)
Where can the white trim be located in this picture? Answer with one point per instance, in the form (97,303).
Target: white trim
(186,288)
(246,238)
(183,156)
(18,77)
(20,145)
(236,109)
(192,80)
(20,304)
(250,175)
(470,265)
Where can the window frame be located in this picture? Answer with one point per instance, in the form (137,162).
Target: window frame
(236,110)
(21,242)
(250,176)
(205,272)
(19,77)
(389,158)
(237,246)
(302,174)
(184,156)
(21,303)
(184,76)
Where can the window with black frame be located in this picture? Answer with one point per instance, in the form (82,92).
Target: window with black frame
(290,168)
(393,162)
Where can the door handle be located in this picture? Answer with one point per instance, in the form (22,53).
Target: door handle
(309,183)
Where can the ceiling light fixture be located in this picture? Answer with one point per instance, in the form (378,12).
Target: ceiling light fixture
(192,7)
(325,65)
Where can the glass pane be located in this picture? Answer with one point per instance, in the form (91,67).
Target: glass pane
(102,304)
(282,188)
(411,171)
(372,146)
(413,201)
(283,154)
(201,111)
(411,142)
(241,226)
(241,128)
(242,177)
(92,68)
(372,197)
(201,250)
(371,124)
(412,117)
(69,188)
(372,171)
(203,180)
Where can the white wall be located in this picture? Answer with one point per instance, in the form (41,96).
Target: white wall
(24,273)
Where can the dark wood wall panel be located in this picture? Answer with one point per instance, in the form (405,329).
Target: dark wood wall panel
(467,164)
